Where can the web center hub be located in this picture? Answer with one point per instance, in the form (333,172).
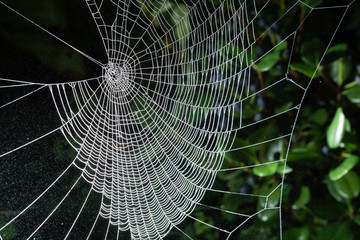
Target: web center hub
(118,77)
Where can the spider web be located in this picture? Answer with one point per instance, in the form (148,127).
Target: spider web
(164,134)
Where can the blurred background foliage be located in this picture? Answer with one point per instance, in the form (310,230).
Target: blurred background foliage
(322,177)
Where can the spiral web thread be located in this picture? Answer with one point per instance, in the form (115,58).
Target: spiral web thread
(152,131)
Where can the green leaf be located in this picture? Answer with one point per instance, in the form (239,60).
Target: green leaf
(275,150)
(9,232)
(348,186)
(268,61)
(235,158)
(347,125)
(303,199)
(338,48)
(343,168)
(270,202)
(182,28)
(274,192)
(281,169)
(273,153)
(303,154)
(266,170)
(230,51)
(203,229)
(264,132)
(311,51)
(320,208)
(357,219)
(301,233)
(307,70)
(157,14)
(274,198)
(336,231)
(281,46)
(336,129)
(336,51)
(340,70)
(353,94)
(271,58)
(230,176)
(319,116)
(268,214)
(333,191)
(283,107)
